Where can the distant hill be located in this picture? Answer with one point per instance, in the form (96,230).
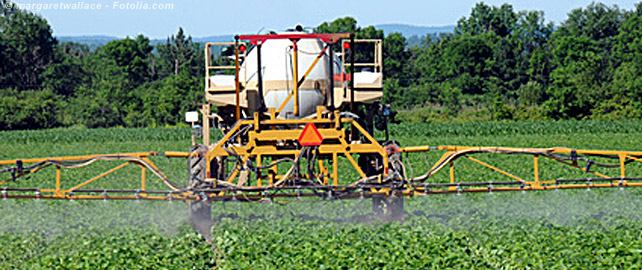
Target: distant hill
(407,30)
(91,41)
(220,38)
(99,40)
(415,30)
(213,38)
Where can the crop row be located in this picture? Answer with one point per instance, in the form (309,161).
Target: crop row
(403,130)
(539,230)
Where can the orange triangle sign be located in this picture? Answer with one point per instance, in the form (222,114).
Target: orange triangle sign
(310,136)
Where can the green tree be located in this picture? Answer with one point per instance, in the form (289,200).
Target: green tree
(626,88)
(116,69)
(165,101)
(395,66)
(27,48)
(132,56)
(364,52)
(483,19)
(103,102)
(28,109)
(341,25)
(530,40)
(177,54)
(68,71)
(597,21)
(575,86)
(582,61)
(467,62)
(395,55)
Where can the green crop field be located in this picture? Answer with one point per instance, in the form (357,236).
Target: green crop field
(580,229)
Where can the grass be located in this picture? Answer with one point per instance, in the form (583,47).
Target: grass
(541,230)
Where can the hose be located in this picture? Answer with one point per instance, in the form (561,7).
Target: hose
(86,162)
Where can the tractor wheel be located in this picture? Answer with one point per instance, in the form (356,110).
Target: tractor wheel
(388,207)
(200,211)
(197,167)
(378,206)
(370,164)
(217,169)
(395,207)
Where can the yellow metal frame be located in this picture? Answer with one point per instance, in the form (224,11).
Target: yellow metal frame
(263,143)
(265,140)
(421,184)
(137,191)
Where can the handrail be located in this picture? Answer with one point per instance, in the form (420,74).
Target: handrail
(377,64)
(208,55)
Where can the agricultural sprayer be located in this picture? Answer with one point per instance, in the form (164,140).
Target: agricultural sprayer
(298,114)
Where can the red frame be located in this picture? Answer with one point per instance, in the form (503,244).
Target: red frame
(327,38)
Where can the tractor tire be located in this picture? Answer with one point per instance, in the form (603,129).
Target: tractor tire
(388,208)
(200,211)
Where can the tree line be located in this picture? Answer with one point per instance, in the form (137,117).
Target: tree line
(497,64)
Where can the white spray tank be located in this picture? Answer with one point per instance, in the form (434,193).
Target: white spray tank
(277,71)
(277,58)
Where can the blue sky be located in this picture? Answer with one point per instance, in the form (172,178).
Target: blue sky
(216,17)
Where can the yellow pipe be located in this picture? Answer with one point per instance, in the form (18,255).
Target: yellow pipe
(407,192)
(58,181)
(452,172)
(83,157)
(99,176)
(295,77)
(494,168)
(355,165)
(335,169)
(237,169)
(176,154)
(583,169)
(258,176)
(554,150)
(636,159)
(287,99)
(536,170)
(622,165)
(323,171)
(412,149)
(143,178)
(452,175)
